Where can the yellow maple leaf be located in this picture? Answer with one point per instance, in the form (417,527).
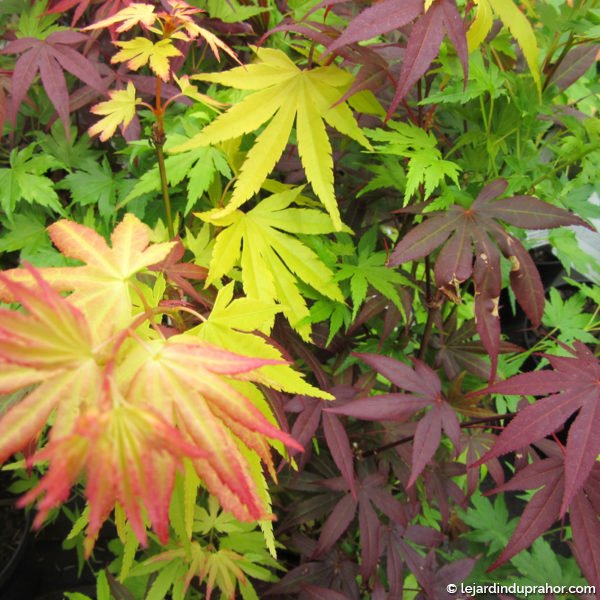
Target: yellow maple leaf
(130,16)
(119,110)
(273,261)
(283,93)
(141,51)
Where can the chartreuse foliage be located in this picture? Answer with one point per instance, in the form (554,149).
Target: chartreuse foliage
(271,260)
(283,94)
(359,189)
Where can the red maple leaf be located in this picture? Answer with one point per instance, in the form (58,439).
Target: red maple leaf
(472,241)
(425,391)
(574,386)
(424,41)
(50,58)
(550,475)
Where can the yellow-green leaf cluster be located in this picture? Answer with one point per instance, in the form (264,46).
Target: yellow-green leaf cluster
(272,261)
(283,94)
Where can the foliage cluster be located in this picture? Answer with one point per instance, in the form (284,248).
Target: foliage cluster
(237,227)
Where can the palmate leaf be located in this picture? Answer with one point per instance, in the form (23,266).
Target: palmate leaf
(102,287)
(368,269)
(141,51)
(371,494)
(472,241)
(184,376)
(273,261)
(199,166)
(50,344)
(50,57)
(543,510)
(573,386)
(425,391)
(283,93)
(118,111)
(25,180)
(124,452)
(231,325)
(425,165)
(426,35)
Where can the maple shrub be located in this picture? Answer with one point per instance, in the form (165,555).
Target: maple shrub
(300,298)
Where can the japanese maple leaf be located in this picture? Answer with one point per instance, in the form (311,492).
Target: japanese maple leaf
(106,8)
(118,111)
(179,273)
(283,93)
(544,509)
(273,261)
(186,379)
(129,455)
(371,494)
(50,57)
(171,24)
(573,386)
(50,345)
(426,391)
(426,35)
(102,287)
(464,232)
(311,415)
(141,51)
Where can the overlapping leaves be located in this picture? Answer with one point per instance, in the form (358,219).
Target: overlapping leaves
(273,261)
(426,35)
(283,93)
(573,387)
(472,242)
(128,404)
(425,391)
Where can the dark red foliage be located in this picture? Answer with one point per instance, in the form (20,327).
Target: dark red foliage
(50,58)
(573,385)
(472,241)
(425,392)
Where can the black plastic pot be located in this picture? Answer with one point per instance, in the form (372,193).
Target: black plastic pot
(14,541)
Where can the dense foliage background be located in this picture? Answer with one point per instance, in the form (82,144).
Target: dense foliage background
(301,297)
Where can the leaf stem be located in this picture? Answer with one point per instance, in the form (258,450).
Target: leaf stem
(409,438)
(430,311)
(165,189)
(158,140)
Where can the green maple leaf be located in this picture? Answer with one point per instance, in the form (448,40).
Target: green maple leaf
(569,316)
(283,93)
(490,522)
(95,184)
(26,231)
(199,166)
(24,180)
(425,165)
(271,260)
(368,269)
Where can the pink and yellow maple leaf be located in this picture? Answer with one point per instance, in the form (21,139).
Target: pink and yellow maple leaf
(126,405)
